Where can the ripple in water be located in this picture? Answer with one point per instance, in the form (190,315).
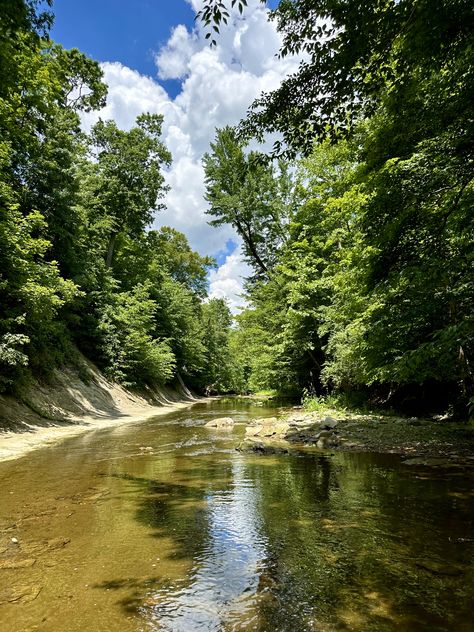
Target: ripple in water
(222,585)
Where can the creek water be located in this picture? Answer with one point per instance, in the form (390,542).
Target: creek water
(163,525)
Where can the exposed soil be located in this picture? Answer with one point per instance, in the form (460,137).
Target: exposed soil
(69,405)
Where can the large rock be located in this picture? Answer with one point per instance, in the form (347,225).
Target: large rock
(329,423)
(262,447)
(221,422)
(267,421)
(307,434)
(302,420)
(269,427)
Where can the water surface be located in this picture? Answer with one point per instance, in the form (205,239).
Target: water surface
(163,525)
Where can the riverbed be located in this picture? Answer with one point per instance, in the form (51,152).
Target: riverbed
(163,525)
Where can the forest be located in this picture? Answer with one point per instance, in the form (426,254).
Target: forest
(358,224)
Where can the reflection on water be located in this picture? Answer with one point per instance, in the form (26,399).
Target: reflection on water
(225,573)
(189,534)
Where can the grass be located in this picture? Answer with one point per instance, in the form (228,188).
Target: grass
(342,403)
(265,394)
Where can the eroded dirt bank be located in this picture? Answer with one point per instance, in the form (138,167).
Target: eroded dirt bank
(73,403)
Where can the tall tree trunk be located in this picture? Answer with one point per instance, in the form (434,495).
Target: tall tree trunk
(110,250)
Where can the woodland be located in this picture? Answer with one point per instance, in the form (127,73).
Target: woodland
(358,225)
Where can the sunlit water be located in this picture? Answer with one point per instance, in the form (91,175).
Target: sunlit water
(163,525)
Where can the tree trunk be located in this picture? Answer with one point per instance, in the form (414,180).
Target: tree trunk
(110,250)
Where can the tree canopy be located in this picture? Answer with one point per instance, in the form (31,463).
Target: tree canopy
(371,285)
(79,265)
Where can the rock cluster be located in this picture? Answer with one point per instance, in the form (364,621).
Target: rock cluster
(273,435)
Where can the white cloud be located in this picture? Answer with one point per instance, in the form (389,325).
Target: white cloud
(218,85)
(173,59)
(227,281)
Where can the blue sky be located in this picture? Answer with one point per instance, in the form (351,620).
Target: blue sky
(128,31)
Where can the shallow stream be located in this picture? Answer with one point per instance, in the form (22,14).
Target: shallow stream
(163,525)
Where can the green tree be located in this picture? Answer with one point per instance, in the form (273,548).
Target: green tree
(219,374)
(133,355)
(246,192)
(123,180)
(35,119)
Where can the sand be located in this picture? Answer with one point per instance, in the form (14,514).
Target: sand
(69,406)
(14,445)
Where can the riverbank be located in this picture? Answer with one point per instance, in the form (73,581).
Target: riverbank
(73,403)
(419,441)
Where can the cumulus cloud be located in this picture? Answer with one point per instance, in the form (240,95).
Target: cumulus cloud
(218,85)
(172,61)
(226,282)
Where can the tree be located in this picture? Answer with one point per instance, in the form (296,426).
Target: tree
(219,374)
(216,12)
(123,180)
(249,194)
(376,269)
(172,253)
(39,137)
(356,55)
(132,354)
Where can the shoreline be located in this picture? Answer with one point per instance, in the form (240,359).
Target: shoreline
(15,445)
(416,441)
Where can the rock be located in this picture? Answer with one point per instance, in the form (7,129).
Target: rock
(324,434)
(278,430)
(13,563)
(269,427)
(327,440)
(306,434)
(57,543)
(267,421)
(302,437)
(297,419)
(25,594)
(221,422)
(15,540)
(329,423)
(262,447)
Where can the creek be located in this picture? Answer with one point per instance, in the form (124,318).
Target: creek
(163,525)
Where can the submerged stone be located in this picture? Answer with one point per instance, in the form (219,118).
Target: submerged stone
(262,447)
(221,422)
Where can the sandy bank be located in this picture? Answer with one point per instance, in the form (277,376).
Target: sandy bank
(73,404)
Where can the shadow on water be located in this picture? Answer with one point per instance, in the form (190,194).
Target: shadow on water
(170,528)
(341,542)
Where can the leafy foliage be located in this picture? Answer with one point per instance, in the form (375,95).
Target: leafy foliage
(214,13)
(372,289)
(77,263)
(250,195)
